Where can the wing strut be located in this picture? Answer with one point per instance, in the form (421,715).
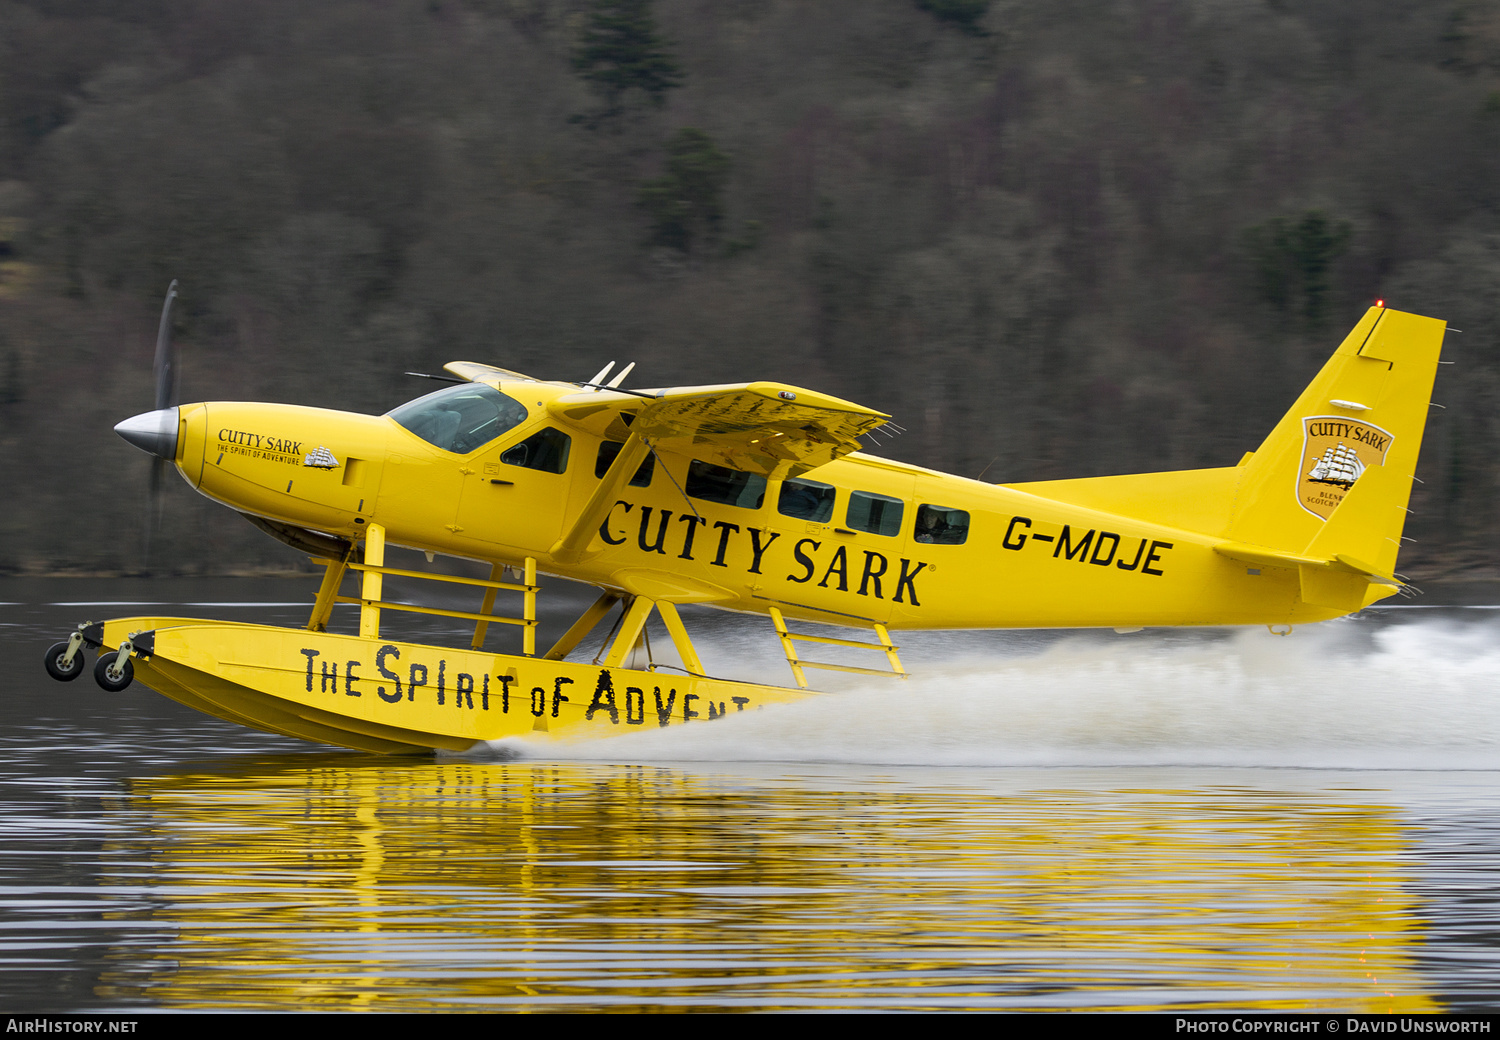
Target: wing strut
(570,548)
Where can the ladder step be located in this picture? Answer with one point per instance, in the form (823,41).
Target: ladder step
(453,578)
(841,642)
(852,668)
(464,614)
(788,638)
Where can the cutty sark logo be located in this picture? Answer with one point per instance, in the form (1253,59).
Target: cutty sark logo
(1335,451)
(321,458)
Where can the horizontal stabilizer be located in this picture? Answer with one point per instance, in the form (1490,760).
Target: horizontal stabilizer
(1260,556)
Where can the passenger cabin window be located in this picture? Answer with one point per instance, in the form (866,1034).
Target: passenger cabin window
(610,450)
(545,450)
(728,487)
(461,418)
(939,525)
(877,514)
(806,500)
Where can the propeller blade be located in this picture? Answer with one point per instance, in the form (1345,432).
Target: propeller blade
(165,368)
(153,507)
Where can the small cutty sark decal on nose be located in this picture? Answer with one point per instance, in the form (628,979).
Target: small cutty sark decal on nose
(320,458)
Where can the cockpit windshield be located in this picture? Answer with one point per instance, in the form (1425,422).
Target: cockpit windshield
(461,418)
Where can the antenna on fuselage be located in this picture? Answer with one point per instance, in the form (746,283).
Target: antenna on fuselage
(597,383)
(599,378)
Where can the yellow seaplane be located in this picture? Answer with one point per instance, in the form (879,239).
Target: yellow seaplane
(750,497)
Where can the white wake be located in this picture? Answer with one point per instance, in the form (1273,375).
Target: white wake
(1391,689)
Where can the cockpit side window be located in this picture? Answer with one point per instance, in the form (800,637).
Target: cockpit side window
(610,450)
(461,418)
(545,450)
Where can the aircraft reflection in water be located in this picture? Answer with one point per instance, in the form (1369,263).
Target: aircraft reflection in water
(582,886)
(748,497)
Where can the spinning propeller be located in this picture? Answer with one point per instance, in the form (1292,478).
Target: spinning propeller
(156,431)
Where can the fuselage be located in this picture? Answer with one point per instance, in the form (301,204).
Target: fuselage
(859,540)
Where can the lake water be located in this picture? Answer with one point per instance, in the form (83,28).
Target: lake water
(1186,821)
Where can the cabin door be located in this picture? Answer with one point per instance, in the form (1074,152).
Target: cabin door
(515,492)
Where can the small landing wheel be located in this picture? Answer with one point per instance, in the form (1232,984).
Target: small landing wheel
(108,677)
(58,666)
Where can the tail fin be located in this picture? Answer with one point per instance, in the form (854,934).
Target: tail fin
(1328,488)
(1326,493)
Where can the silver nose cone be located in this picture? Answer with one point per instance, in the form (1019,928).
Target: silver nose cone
(155,432)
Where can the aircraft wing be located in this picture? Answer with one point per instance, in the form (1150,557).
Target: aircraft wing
(474,372)
(766,428)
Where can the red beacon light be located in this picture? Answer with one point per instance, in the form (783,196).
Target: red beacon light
(1380,304)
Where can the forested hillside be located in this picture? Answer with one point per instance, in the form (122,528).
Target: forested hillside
(1052,239)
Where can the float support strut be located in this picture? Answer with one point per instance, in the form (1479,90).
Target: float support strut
(583,626)
(528,634)
(369,613)
(680,639)
(328,592)
(630,630)
(497,571)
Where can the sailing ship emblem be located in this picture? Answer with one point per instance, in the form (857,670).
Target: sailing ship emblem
(321,458)
(1339,466)
(1335,452)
